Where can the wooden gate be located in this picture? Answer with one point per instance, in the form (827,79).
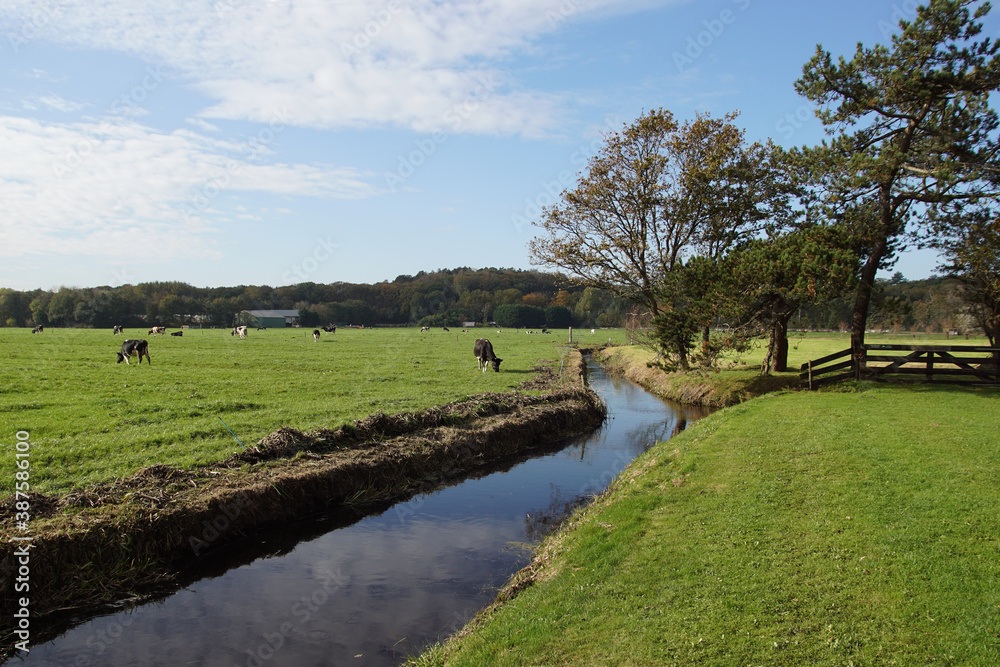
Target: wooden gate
(947,364)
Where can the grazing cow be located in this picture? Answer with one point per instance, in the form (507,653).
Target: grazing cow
(177,333)
(484,354)
(118,329)
(162,331)
(261,328)
(38,329)
(316,335)
(329,328)
(134,348)
(239,331)
(423,329)
(445,328)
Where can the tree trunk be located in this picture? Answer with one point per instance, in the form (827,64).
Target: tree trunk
(776,357)
(859,318)
(866,287)
(779,364)
(993,329)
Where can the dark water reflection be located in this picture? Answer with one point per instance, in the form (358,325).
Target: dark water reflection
(343,589)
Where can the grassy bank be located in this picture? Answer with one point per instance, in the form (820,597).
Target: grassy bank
(738,378)
(798,528)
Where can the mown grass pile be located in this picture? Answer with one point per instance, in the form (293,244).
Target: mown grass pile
(831,528)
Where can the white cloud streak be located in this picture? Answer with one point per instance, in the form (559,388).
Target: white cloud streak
(120,190)
(335,64)
(114,188)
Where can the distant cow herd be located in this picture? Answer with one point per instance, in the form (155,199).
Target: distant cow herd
(138,348)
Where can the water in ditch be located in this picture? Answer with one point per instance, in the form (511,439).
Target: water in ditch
(348,589)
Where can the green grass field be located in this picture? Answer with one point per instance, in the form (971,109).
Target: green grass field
(90,419)
(808,528)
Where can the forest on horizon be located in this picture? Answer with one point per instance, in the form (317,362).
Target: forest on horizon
(446,297)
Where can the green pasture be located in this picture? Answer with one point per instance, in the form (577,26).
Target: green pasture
(844,527)
(90,419)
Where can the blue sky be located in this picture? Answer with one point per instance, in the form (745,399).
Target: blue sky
(227,142)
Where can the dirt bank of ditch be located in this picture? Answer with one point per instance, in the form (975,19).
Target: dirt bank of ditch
(134,535)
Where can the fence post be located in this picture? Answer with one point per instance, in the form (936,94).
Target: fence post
(929,374)
(810,375)
(860,358)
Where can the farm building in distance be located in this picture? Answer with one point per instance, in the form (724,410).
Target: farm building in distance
(269,318)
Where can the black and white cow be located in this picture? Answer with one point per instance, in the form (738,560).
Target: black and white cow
(134,348)
(38,329)
(484,354)
(316,335)
(329,328)
(118,329)
(162,331)
(177,333)
(239,331)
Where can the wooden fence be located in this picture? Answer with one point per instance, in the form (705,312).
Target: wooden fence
(949,364)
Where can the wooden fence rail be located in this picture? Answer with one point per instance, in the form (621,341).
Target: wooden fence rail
(950,364)
(814,375)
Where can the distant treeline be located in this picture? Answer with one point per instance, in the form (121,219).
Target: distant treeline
(441,298)
(931,306)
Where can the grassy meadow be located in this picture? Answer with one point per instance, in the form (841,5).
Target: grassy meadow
(90,419)
(851,527)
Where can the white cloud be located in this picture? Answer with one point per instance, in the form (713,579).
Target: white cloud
(122,191)
(202,124)
(57,103)
(423,65)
